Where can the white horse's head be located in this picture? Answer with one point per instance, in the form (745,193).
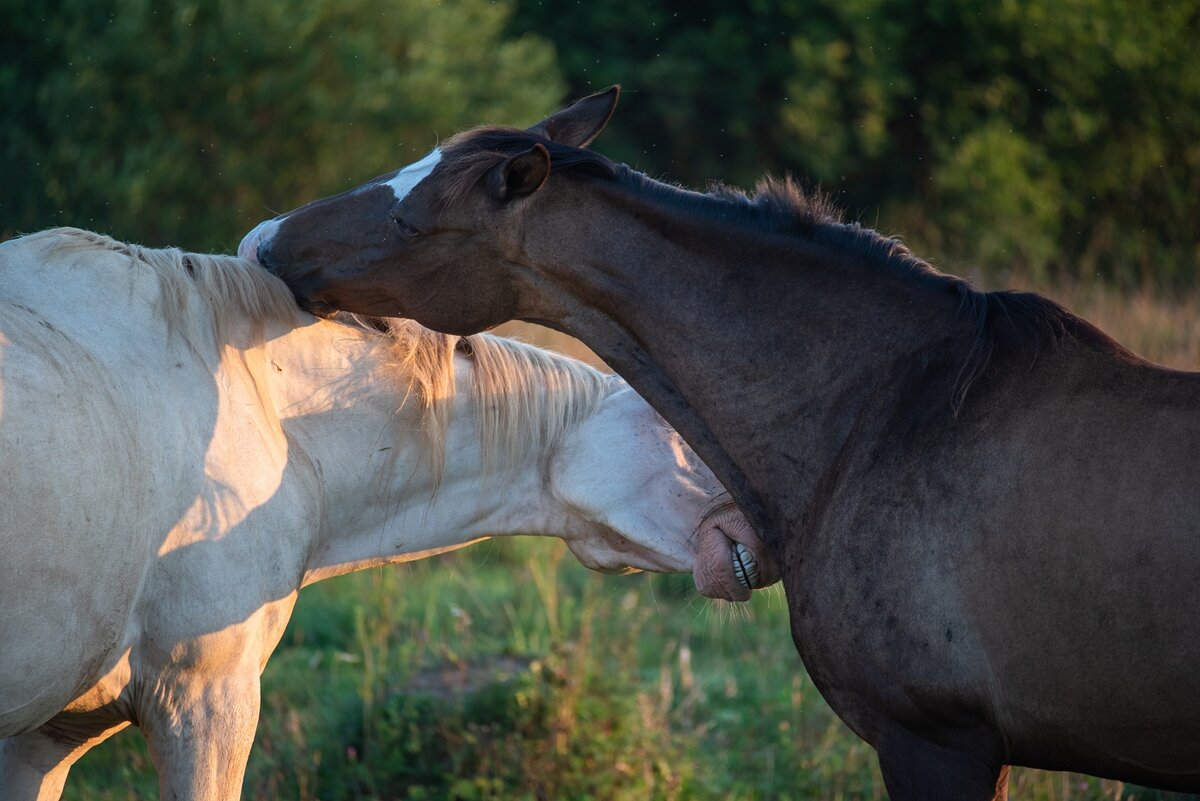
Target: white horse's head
(519,440)
(653,504)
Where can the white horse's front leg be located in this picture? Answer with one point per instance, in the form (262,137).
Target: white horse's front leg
(34,765)
(200,733)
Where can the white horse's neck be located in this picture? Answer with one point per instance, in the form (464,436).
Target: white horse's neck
(382,502)
(397,521)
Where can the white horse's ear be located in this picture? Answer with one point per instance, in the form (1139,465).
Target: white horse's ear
(522,174)
(582,121)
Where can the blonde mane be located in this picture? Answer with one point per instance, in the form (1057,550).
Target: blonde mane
(236,291)
(525,398)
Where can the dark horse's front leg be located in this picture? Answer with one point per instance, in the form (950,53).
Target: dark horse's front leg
(916,769)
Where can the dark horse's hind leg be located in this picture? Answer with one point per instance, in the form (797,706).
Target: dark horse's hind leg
(915,769)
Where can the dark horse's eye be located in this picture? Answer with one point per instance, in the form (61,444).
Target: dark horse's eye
(405,228)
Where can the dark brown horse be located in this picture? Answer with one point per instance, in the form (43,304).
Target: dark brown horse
(986,511)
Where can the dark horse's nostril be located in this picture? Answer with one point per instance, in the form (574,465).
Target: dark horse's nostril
(262,255)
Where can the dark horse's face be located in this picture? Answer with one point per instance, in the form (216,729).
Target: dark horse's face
(424,242)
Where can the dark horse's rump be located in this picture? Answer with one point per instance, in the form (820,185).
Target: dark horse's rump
(986,510)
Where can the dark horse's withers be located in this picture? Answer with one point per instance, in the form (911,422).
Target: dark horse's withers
(986,511)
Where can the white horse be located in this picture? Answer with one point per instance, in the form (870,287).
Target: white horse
(181,450)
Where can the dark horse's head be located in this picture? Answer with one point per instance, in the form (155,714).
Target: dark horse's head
(388,247)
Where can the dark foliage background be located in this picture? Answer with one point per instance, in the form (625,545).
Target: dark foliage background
(1042,136)
(1036,136)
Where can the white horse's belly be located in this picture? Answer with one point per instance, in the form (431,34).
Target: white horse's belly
(66,611)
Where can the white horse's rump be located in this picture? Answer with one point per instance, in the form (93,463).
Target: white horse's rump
(181,450)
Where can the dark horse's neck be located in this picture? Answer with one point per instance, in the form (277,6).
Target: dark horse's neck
(817,323)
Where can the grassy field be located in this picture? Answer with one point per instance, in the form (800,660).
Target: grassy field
(506,671)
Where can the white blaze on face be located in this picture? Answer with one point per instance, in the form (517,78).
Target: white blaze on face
(407,179)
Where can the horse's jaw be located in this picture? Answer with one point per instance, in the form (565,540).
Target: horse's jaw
(723,553)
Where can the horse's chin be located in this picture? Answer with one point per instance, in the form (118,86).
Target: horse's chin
(731,562)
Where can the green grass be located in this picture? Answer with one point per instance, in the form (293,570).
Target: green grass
(507,671)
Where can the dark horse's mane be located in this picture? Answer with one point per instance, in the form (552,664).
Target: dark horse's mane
(1010,320)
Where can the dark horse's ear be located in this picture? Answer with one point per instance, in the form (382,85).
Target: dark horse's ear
(582,121)
(522,174)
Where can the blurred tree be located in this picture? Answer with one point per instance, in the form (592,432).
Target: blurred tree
(185,123)
(1022,134)
(1034,135)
